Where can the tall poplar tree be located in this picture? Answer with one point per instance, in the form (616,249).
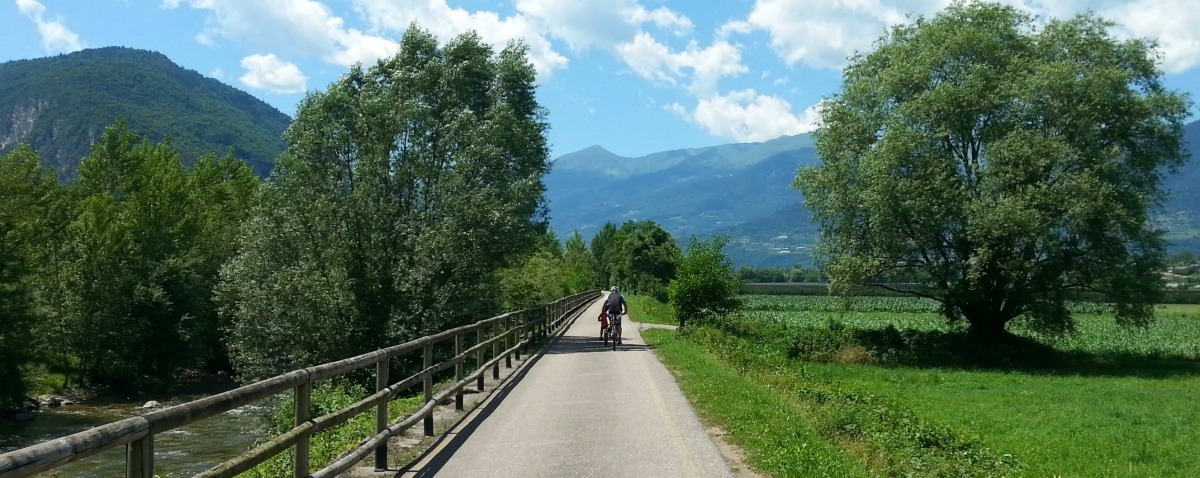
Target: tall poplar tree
(405,188)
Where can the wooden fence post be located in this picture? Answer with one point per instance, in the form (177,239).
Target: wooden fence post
(508,336)
(519,329)
(139,457)
(428,389)
(303,412)
(479,358)
(495,351)
(381,413)
(458,371)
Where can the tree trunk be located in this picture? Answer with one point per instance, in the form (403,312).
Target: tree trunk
(987,326)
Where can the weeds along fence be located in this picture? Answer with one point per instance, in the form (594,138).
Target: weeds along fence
(492,341)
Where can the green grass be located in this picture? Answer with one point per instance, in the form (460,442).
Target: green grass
(1056,425)
(1178,309)
(889,383)
(649,310)
(769,427)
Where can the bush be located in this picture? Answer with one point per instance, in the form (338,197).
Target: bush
(704,286)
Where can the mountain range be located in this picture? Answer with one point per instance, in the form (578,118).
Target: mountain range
(744,192)
(61,104)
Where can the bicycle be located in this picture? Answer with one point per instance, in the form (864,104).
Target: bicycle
(613,331)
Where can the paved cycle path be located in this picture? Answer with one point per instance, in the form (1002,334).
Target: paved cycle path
(582,410)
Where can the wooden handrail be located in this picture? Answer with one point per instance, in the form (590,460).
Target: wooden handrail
(512,330)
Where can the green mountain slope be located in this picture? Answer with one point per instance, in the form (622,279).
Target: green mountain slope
(61,104)
(693,191)
(744,192)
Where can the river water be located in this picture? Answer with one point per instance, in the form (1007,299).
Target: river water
(183,451)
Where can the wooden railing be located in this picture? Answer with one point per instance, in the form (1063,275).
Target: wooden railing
(496,339)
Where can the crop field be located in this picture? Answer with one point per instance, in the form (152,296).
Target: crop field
(1174,334)
(1104,401)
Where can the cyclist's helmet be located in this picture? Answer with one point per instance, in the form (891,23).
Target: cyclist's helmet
(614,289)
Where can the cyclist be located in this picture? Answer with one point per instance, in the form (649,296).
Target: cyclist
(614,308)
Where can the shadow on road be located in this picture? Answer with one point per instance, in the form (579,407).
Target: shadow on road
(578,345)
(449,443)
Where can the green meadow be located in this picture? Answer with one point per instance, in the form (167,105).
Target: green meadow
(883,386)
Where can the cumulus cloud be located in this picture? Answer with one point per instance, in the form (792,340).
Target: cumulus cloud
(700,67)
(56,37)
(445,22)
(1171,22)
(293,27)
(585,25)
(747,115)
(823,34)
(268,72)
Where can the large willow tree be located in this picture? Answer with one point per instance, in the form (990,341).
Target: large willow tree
(404,189)
(1008,163)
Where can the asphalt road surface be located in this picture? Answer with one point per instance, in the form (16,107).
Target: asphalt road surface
(583,410)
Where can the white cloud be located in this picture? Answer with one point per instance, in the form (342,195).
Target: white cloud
(1172,22)
(650,59)
(678,110)
(823,34)
(584,25)
(268,72)
(56,37)
(446,22)
(746,115)
(294,27)
(662,17)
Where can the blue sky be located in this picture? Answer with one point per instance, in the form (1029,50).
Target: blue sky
(634,76)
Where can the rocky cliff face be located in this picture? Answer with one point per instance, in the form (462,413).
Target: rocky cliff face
(21,122)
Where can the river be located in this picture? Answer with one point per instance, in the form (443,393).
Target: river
(183,451)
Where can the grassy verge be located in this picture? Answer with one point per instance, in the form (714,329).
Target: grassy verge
(882,436)
(771,429)
(890,384)
(1059,425)
(648,310)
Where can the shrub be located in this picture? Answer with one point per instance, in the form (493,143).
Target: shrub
(704,286)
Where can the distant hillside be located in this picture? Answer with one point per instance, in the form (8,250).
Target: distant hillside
(692,191)
(61,104)
(744,192)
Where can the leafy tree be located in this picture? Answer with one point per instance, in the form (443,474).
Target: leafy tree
(124,280)
(220,194)
(645,258)
(603,247)
(578,274)
(705,286)
(1010,164)
(536,279)
(131,293)
(26,194)
(405,189)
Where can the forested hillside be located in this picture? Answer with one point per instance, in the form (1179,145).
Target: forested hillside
(60,106)
(744,192)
